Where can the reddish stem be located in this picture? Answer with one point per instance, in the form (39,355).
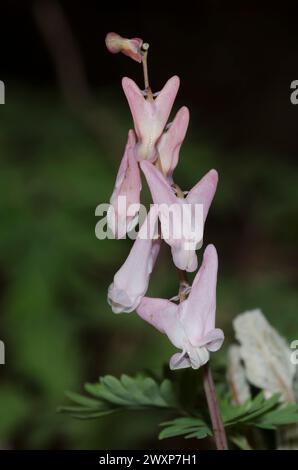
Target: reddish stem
(217,424)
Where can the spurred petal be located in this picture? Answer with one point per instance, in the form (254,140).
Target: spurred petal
(169,206)
(125,199)
(198,315)
(160,189)
(141,112)
(203,192)
(160,313)
(165,100)
(164,316)
(131,281)
(150,117)
(131,141)
(171,141)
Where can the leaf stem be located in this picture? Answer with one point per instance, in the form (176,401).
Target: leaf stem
(217,424)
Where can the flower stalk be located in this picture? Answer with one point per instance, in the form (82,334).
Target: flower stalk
(214,411)
(145,49)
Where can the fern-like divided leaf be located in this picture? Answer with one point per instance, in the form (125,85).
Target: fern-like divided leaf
(286,414)
(249,411)
(188,427)
(111,394)
(260,412)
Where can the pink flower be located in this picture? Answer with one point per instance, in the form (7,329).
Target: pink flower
(125,200)
(190,326)
(130,47)
(170,142)
(149,116)
(131,281)
(182,222)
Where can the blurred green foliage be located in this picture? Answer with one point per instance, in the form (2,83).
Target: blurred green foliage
(57,327)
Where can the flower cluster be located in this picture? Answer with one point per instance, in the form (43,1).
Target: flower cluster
(153,147)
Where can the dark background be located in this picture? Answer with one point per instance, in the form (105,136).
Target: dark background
(62,132)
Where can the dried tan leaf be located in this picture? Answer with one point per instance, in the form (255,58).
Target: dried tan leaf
(236,377)
(266,355)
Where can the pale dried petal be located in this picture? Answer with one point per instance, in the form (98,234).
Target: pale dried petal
(265,353)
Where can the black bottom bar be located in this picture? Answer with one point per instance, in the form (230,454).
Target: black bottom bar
(135,459)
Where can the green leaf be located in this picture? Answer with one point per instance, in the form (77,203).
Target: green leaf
(167,392)
(103,392)
(116,387)
(248,411)
(111,394)
(82,400)
(286,414)
(200,433)
(240,441)
(259,412)
(74,409)
(188,427)
(94,414)
(184,421)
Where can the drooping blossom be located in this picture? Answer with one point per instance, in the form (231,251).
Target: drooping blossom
(190,326)
(149,116)
(170,142)
(125,200)
(130,283)
(130,47)
(181,224)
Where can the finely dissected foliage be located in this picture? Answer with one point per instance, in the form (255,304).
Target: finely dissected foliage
(111,395)
(114,394)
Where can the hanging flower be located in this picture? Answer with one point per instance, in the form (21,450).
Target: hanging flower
(149,116)
(190,326)
(181,224)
